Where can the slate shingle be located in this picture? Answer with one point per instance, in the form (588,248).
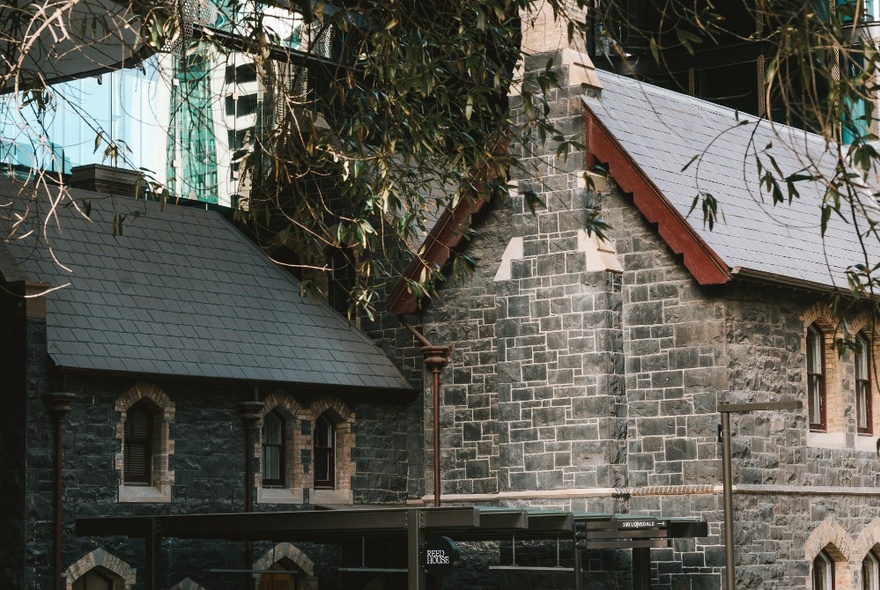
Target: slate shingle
(662,131)
(182,284)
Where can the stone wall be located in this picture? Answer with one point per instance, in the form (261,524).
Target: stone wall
(206,459)
(609,365)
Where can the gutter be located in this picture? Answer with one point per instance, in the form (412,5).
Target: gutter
(748,274)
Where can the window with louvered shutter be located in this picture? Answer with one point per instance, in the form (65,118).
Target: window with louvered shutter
(138,444)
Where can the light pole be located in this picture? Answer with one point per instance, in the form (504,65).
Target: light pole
(726,410)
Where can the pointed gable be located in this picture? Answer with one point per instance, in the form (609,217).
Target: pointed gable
(647,136)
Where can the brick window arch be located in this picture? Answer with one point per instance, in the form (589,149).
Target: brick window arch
(832,557)
(143,462)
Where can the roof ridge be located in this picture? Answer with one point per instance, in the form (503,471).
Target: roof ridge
(615,79)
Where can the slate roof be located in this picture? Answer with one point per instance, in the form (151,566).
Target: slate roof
(181,292)
(660,131)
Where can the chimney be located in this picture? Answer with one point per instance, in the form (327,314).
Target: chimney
(105,179)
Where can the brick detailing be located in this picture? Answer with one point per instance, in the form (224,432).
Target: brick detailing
(836,542)
(122,574)
(291,558)
(343,418)
(163,450)
(297,438)
(868,540)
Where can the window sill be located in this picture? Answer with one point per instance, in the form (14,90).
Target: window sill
(279,496)
(866,442)
(331,497)
(826,440)
(144,494)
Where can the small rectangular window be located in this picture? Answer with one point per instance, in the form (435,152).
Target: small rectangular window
(246,73)
(247,105)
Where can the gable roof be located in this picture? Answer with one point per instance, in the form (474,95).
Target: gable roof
(181,292)
(648,135)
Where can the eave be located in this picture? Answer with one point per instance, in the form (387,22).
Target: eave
(701,261)
(436,250)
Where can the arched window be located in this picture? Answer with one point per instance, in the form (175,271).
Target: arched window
(93,580)
(870,572)
(99,570)
(145,449)
(864,419)
(823,572)
(285,437)
(332,442)
(138,444)
(273,450)
(284,567)
(325,452)
(816,378)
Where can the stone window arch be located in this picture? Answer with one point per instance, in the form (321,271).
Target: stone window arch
(156,487)
(823,379)
(335,413)
(296,441)
(829,550)
(287,557)
(121,575)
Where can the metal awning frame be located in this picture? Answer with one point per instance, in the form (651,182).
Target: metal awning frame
(411,526)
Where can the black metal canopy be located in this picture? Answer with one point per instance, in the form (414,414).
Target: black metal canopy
(409,526)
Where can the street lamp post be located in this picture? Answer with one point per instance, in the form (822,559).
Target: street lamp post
(726,410)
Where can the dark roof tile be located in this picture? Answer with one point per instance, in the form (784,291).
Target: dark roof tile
(182,284)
